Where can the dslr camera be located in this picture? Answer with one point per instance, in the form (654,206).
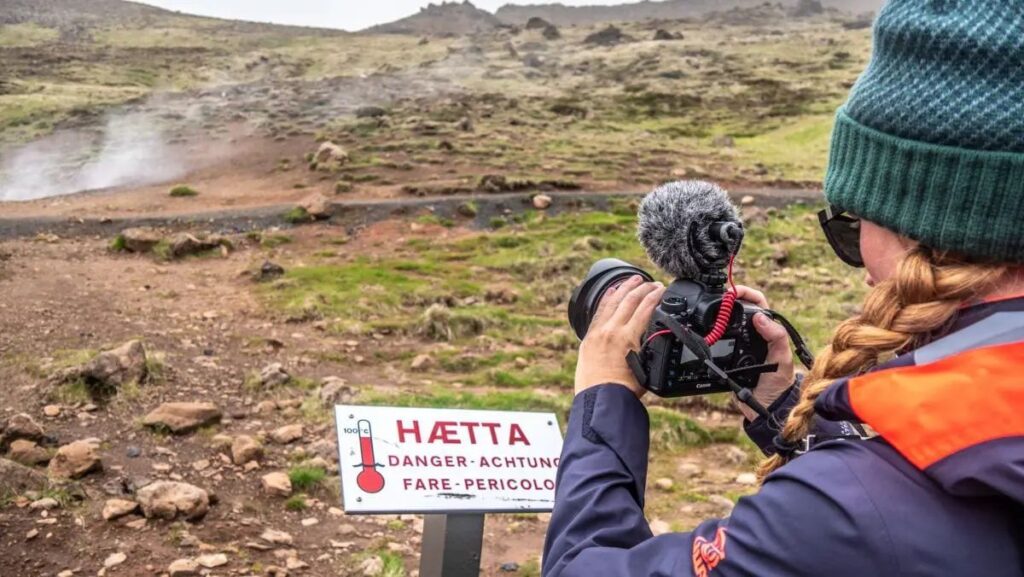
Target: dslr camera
(701,338)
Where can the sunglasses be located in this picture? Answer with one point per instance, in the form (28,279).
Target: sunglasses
(843,233)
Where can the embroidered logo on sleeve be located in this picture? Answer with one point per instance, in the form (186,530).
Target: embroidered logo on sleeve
(708,554)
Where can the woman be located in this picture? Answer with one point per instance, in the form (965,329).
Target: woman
(928,152)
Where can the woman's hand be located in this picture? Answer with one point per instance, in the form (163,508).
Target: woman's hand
(771,385)
(619,323)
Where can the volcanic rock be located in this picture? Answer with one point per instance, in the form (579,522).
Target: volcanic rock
(244,449)
(76,460)
(541,201)
(609,36)
(16,478)
(140,239)
(183,568)
(28,453)
(335,391)
(185,244)
(116,508)
(110,370)
(287,434)
(330,157)
(182,418)
(277,483)
(317,206)
(170,499)
(274,375)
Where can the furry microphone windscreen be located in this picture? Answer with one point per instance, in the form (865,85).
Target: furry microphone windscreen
(674,227)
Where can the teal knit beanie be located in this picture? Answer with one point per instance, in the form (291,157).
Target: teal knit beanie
(930,143)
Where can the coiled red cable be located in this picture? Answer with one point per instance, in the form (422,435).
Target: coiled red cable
(724,311)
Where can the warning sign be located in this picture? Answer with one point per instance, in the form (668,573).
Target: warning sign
(402,460)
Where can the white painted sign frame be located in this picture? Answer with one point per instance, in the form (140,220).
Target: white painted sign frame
(504,439)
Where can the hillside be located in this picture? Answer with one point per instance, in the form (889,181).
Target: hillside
(447,18)
(562,15)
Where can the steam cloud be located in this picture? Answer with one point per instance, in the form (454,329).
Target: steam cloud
(131,149)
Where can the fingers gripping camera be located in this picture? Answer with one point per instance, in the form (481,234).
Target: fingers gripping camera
(701,339)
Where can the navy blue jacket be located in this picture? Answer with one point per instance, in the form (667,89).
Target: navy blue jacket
(940,491)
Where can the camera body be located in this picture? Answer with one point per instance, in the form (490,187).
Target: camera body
(668,366)
(673,370)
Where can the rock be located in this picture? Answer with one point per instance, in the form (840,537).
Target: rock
(805,8)
(421,362)
(723,503)
(16,478)
(44,504)
(110,370)
(662,35)
(32,534)
(541,201)
(664,483)
(264,407)
(51,411)
(736,455)
(116,508)
(275,571)
(746,479)
(139,239)
(171,499)
(688,469)
(330,157)
(244,449)
(276,537)
(75,460)
(182,418)
(510,567)
(467,209)
(183,568)
(659,527)
(21,427)
(609,36)
(780,256)
(212,561)
(115,559)
(537,23)
(133,452)
(277,484)
(269,271)
(317,206)
(335,391)
(375,111)
(186,244)
(287,434)
(551,32)
(326,449)
(372,566)
(747,200)
(28,453)
(274,375)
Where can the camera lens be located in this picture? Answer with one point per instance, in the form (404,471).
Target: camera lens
(605,274)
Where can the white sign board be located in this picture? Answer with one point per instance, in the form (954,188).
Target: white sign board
(402,460)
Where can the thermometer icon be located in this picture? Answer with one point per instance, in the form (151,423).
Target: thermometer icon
(369,479)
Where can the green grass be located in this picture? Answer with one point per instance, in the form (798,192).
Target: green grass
(26,35)
(296,215)
(183,191)
(305,478)
(296,503)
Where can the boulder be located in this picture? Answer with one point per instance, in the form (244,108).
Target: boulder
(140,239)
(274,375)
(171,499)
(541,202)
(76,460)
(28,453)
(277,484)
(537,23)
(183,568)
(116,508)
(16,478)
(213,560)
(609,36)
(182,418)
(21,427)
(317,206)
(550,32)
(287,434)
(330,157)
(186,244)
(335,391)
(110,370)
(275,537)
(269,271)
(244,449)
(421,362)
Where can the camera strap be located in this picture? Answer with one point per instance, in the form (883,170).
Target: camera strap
(803,352)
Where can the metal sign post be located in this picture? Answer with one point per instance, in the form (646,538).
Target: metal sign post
(452,545)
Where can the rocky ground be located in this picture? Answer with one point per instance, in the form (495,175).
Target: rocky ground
(171,414)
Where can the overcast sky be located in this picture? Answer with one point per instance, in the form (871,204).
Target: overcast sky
(345,14)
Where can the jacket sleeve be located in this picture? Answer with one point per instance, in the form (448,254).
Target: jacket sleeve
(792,527)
